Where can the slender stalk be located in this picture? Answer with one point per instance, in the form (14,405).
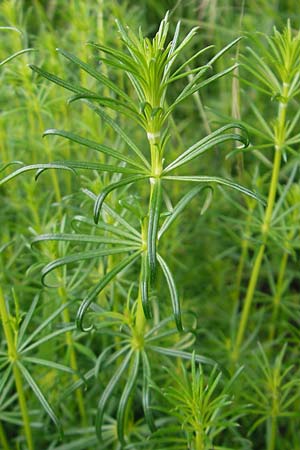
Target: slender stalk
(73,358)
(272,432)
(199,444)
(279,133)
(3,439)
(13,356)
(278,292)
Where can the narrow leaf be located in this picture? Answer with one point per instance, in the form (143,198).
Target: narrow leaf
(108,392)
(99,287)
(125,397)
(218,180)
(40,396)
(92,145)
(154,215)
(93,254)
(173,292)
(180,207)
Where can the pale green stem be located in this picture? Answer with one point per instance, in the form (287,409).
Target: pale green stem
(13,356)
(73,358)
(279,142)
(278,294)
(272,433)
(199,444)
(3,439)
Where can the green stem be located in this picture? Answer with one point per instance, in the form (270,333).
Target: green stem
(3,439)
(140,319)
(272,433)
(13,356)
(73,358)
(279,133)
(199,444)
(278,294)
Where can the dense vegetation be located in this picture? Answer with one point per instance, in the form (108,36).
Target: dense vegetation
(150,211)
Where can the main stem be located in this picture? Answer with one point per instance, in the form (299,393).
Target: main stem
(3,439)
(13,356)
(279,133)
(73,358)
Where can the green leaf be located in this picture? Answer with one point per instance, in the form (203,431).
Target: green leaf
(182,204)
(60,82)
(40,396)
(100,286)
(37,167)
(126,394)
(43,325)
(26,50)
(146,392)
(144,285)
(95,74)
(154,215)
(108,392)
(173,292)
(181,354)
(81,238)
(26,321)
(120,132)
(86,165)
(114,229)
(92,145)
(215,138)
(217,180)
(50,364)
(113,104)
(92,254)
(101,197)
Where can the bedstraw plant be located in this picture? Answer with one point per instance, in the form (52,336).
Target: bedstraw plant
(117,260)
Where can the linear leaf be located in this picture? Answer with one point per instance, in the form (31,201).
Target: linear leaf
(154,215)
(108,392)
(173,292)
(131,380)
(92,254)
(37,167)
(44,324)
(217,137)
(80,238)
(86,165)
(180,207)
(95,74)
(218,180)
(27,319)
(25,50)
(181,354)
(60,82)
(99,287)
(101,197)
(146,392)
(120,132)
(50,364)
(113,104)
(92,145)
(40,396)
(144,285)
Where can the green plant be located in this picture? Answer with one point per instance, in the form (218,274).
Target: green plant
(276,70)
(152,67)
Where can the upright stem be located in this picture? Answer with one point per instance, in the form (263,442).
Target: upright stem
(3,439)
(272,432)
(279,132)
(279,290)
(13,357)
(73,359)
